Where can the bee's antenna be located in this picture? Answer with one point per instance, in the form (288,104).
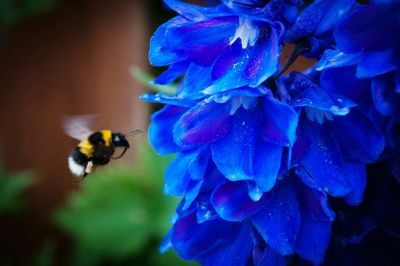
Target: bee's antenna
(134,132)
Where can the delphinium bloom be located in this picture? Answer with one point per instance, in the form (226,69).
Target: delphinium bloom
(234,44)
(260,154)
(367,58)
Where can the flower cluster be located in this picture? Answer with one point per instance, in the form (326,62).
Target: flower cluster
(263,153)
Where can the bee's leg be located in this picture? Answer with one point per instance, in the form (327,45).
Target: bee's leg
(90,166)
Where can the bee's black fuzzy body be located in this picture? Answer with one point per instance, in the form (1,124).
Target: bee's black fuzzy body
(96,150)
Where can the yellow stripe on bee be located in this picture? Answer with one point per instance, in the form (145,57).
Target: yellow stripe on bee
(107,135)
(86,147)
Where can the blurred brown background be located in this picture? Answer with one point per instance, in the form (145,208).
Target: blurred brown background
(72,60)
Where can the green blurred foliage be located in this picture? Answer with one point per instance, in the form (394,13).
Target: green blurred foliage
(119,215)
(147,79)
(12,185)
(46,256)
(15,11)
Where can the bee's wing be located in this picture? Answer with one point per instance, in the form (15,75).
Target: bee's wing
(78,127)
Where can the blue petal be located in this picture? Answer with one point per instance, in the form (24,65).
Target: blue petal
(322,165)
(167,99)
(160,53)
(190,11)
(232,202)
(336,58)
(197,78)
(197,168)
(244,155)
(267,161)
(348,84)
(358,138)
(397,81)
(204,209)
(172,73)
(191,239)
(279,221)
(166,243)
(315,231)
(195,12)
(251,66)
(235,253)
(176,176)
(280,122)
(160,130)
(202,42)
(192,189)
(376,63)
(270,257)
(372,28)
(357,179)
(204,123)
(394,165)
(333,12)
(315,97)
(319,18)
(386,99)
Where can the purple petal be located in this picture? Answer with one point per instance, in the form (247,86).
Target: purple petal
(202,41)
(239,67)
(231,201)
(204,123)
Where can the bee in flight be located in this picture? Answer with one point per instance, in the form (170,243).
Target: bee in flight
(94,148)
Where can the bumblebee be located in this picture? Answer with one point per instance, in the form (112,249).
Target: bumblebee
(95,148)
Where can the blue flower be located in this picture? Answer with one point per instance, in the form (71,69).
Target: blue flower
(217,48)
(260,154)
(292,218)
(334,140)
(245,129)
(368,46)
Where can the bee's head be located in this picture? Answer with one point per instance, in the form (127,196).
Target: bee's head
(119,140)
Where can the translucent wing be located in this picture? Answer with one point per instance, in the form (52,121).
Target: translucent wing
(78,127)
